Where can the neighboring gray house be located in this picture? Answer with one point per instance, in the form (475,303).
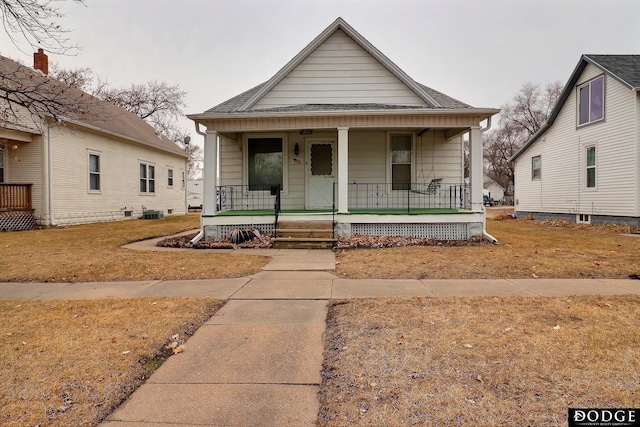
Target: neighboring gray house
(584,163)
(95,162)
(349,139)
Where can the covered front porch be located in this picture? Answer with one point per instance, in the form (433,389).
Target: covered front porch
(16,207)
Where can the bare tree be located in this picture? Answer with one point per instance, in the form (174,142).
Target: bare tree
(158,103)
(519,120)
(36,22)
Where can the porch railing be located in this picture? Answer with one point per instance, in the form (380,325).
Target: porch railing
(15,197)
(408,197)
(246,198)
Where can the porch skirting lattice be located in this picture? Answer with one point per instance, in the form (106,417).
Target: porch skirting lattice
(17,221)
(453,231)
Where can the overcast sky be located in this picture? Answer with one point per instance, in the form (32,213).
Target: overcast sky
(478,51)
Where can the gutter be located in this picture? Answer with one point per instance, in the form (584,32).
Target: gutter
(200,234)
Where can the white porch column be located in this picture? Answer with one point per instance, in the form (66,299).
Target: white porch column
(210,181)
(343,169)
(476,172)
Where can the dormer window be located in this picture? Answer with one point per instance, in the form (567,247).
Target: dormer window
(591,101)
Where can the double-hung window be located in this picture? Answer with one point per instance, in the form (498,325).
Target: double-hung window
(591,167)
(401,147)
(1,163)
(147,178)
(94,172)
(170,177)
(264,162)
(591,101)
(536,167)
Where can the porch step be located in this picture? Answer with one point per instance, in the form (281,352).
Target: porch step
(304,235)
(303,243)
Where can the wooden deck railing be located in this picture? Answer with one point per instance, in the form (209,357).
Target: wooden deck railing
(15,197)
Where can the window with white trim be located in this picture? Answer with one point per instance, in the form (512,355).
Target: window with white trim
(401,155)
(170,177)
(1,163)
(536,167)
(147,178)
(591,167)
(591,101)
(184,178)
(94,172)
(264,162)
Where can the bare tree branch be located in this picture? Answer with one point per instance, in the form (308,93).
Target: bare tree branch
(36,22)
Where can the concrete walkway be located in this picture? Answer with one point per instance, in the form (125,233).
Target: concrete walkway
(257,362)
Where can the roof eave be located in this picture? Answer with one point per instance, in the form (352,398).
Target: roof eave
(485,112)
(177,152)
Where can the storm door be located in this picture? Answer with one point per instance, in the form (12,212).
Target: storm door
(320,174)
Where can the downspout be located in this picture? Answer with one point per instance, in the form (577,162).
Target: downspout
(49,176)
(200,234)
(484,220)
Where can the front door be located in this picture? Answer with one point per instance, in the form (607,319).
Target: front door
(320,174)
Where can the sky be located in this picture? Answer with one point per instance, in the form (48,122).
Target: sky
(478,51)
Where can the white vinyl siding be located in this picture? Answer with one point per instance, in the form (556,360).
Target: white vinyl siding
(563,146)
(120,175)
(339,71)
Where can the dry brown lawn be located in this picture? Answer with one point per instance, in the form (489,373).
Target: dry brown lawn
(478,361)
(65,363)
(526,249)
(93,252)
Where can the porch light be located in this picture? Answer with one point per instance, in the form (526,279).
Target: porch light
(296,150)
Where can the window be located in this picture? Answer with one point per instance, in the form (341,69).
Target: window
(591,167)
(147,178)
(401,155)
(94,172)
(169,177)
(265,163)
(183,178)
(1,163)
(536,167)
(591,101)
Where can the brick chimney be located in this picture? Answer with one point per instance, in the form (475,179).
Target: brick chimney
(41,61)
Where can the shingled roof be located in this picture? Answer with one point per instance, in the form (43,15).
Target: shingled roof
(51,98)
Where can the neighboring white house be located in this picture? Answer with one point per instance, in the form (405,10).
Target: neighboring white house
(194,193)
(584,163)
(493,189)
(97,162)
(347,136)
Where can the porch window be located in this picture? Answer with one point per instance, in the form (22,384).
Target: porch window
(591,167)
(401,155)
(265,164)
(94,172)
(170,177)
(536,167)
(147,178)
(591,101)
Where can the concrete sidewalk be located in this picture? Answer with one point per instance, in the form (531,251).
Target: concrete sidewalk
(257,362)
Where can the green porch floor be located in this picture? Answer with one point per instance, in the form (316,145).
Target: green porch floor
(351,212)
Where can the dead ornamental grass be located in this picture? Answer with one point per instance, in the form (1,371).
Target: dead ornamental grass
(68,363)
(526,249)
(93,252)
(478,361)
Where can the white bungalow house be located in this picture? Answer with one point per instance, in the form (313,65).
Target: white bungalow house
(584,163)
(341,134)
(94,162)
